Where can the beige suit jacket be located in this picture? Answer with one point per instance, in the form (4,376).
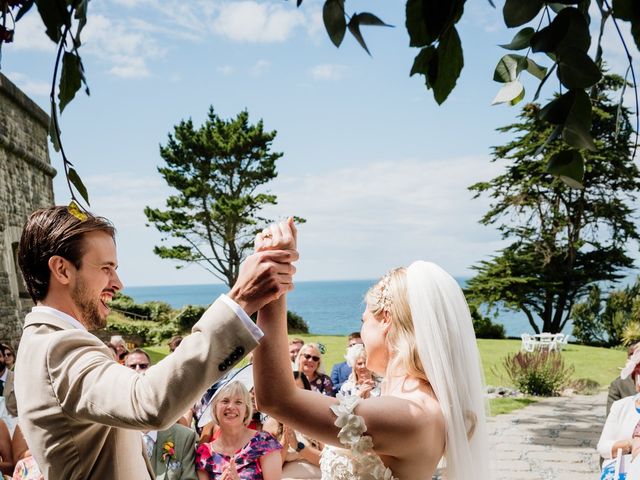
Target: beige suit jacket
(79,410)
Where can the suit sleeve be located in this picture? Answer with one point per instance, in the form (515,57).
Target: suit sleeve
(613,395)
(89,385)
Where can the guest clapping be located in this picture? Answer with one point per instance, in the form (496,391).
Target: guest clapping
(362,382)
(238,453)
(310,363)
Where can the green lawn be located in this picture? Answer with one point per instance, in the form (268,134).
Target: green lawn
(499,406)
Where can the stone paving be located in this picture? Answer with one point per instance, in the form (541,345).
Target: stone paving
(553,439)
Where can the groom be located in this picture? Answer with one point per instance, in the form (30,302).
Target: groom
(79,409)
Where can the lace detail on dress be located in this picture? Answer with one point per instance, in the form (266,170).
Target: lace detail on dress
(357,461)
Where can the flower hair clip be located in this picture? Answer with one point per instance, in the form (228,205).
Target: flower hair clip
(383,294)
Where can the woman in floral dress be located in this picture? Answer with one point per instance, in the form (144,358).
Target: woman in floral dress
(238,453)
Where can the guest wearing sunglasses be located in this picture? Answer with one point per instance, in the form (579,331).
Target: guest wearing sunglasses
(309,362)
(137,360)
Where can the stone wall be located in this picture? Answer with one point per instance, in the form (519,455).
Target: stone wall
(26,184)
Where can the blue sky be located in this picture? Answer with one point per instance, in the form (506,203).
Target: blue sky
(378,169)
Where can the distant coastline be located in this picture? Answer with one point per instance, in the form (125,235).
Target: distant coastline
(330,307)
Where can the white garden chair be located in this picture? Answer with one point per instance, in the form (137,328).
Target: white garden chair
(528,343)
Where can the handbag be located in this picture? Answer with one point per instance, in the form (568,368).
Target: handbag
(616,468)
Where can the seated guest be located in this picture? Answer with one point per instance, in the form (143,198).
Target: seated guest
(121,348)
(6,454)
(362,382)
(621,388)
(341,371)
(309,362)
(171,452)
(623,419)
(238,452)
(300,454)
(9,356)
(26,466)
(8,411)
(295,344)
(174,343)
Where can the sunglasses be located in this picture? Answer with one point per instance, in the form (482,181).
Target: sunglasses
(141,366)
(311,357)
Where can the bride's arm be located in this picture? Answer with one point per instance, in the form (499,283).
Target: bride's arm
(394,423)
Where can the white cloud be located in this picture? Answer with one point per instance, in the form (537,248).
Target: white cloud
(250,21)
(260,67)
(226,69)
(363,221)
(30,35)
(328,72)
(124,49)
(29,86)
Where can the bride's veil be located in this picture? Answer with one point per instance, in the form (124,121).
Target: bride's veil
(447,348)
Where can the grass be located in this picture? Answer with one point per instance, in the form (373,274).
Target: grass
(599,364)
(498,406)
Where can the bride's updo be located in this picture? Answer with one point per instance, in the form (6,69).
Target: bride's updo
(390,295)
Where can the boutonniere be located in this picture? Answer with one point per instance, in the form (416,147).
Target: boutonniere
(168,451)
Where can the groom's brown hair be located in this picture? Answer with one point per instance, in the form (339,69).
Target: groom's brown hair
(54,231)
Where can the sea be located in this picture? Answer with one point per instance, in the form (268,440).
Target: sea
(328,307)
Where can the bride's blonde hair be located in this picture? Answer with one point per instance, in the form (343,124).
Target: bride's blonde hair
(389,296)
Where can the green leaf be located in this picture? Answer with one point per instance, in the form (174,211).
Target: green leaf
(334,22)
(81,16)
(509,67)
(426,63)
(629,10)
(363,19)
(76,181)
(568,166)
(576,69)
(511,92)
(450,63)
(536,70)
(53,136)
(26,6)
(427,20)
(520,40)
(568,29)
(519,12)
(55,16)
(573,111)
(70,79)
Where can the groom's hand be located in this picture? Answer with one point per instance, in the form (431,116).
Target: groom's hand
(264,277)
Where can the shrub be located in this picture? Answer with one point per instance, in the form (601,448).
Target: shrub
(631,333)
(585,386)
(189,315)
(295,323)
(483,326)
(156,311)
(538,373)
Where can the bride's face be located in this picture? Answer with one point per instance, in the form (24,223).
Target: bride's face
(373,334)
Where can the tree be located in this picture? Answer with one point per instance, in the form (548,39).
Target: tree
(217,170)
(612,324)
(561,34)
(564,239)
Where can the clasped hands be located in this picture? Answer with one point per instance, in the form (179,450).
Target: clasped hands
(268,273)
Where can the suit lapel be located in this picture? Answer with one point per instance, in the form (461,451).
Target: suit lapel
(158,464)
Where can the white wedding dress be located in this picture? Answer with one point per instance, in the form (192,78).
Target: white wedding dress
(357,460)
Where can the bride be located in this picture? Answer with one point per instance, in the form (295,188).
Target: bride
(418,334)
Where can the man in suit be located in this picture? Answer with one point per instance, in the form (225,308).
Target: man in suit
(341,371)
(79,409)
(620,388)
(180,464)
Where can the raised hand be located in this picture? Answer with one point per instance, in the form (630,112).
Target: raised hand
(264,276)
(278,236)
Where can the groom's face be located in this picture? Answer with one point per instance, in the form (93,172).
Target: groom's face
(95,283)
